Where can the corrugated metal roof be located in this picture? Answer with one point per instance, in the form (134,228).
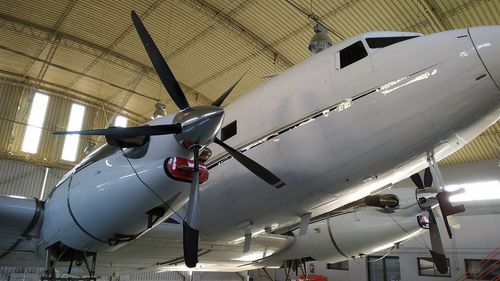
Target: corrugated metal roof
(209,44)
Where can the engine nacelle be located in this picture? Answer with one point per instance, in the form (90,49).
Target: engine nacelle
(107,204)
(348,235)
(19,216)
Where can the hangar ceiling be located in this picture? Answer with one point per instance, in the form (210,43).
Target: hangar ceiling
(90,49)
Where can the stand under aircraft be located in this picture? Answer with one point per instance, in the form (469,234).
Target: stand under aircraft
(292,171)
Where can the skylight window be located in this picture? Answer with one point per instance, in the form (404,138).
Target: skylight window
(121,121)
(71,142)
(476,191)
(35,122)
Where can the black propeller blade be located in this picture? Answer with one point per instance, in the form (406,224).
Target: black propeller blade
(130,132)
(191,226)
(427,177)
(221,99)
(251,165)
(437,252)
(417,180)
(161,67)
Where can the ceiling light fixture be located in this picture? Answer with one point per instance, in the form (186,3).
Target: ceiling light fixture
(320,40)
(160,111)
(89,148)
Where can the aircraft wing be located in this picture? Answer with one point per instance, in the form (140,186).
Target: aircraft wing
(20,220)
(161,250)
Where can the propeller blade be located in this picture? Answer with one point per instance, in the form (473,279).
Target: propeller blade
(447,209)
(437,252)
(119,132)
(251,165)
(221,99)
(191,227)
(427,177)
(417,180)
(161,67)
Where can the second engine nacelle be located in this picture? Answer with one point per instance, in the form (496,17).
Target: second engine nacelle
(349,235)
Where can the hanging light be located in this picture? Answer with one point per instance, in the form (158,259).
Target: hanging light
(320,40)
(89,148)
(160,110)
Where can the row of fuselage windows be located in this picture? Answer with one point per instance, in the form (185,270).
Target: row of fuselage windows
(357,51)
(36,120)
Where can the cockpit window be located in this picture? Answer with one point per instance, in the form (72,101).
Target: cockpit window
(381,42)
(352,54)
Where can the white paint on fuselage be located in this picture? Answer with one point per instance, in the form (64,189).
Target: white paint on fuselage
(434,102)
(383,135)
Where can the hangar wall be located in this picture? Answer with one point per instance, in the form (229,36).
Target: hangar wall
(24,179)
(15,104)
(34,273)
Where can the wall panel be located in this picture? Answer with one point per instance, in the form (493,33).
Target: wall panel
(23,179)
(10,94)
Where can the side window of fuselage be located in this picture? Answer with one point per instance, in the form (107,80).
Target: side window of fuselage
(352,54)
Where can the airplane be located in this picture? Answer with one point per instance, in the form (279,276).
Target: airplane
(294,170)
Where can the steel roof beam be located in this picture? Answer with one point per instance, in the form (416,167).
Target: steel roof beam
(110,48)
(329,14)
(433,13)
(52,38)
(446,14)
(226,20)
(42,34)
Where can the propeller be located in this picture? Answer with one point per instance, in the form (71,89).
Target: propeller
(437,252)
(191,227)
(441,199)
(220,100)
(251,165)
(417,180)
(130,132)
(160,65)
(193,128)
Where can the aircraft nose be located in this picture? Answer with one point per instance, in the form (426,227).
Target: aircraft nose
(486,40)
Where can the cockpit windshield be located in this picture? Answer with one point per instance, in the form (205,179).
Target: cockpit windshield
(381,42)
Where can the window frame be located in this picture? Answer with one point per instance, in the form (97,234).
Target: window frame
(396,39)
(436,273)
(341,265)
(68,138)
(368,262)
(338,57)
(475,275)
(119,119)
(32,128)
